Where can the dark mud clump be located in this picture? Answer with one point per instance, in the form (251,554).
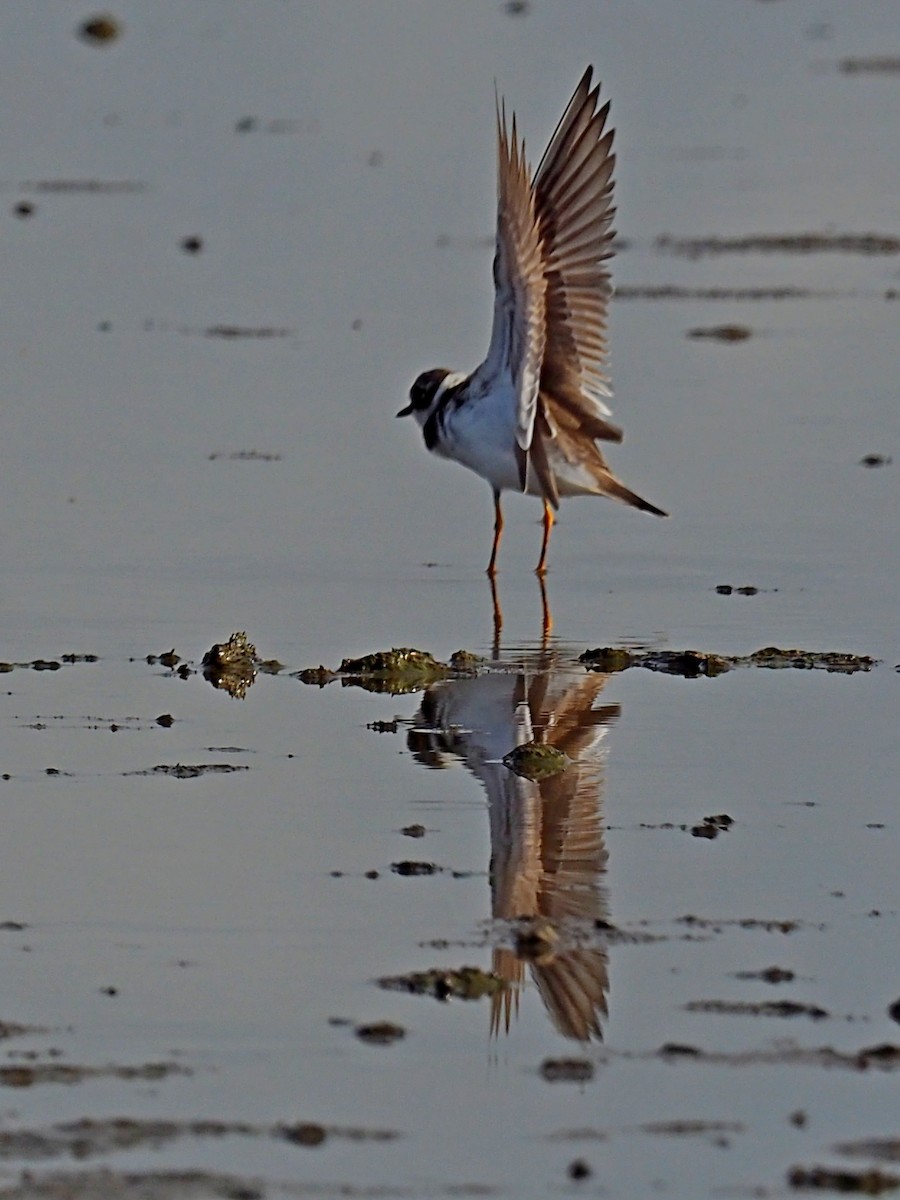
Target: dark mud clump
(69,1073)
(668,291)
(465,983)
(536,940)
(884,1057)
(827,1179)
(380,1033)
(692,664)
(764,1008)
(395,671)
(536,761)
(167,659)
(231,666)
(245,456)
(567,1070)
(305,1133)
(771,975)
(720,333)
(47,664)
(233,332)
(875,460)
(88,1138)
(885,1149)
(786,243)
(413,867)
(105,187)
(689,663)
(609,659)
(876,65)
(711,827)
(772,658)
(716,1132)
(100,30)
(191,770)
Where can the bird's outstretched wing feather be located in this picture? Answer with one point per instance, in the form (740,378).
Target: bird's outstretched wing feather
(573,193)
(517,338)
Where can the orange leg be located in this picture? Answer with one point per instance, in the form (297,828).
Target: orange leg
(498,530)
(547,616)
(498,616)
(541,568)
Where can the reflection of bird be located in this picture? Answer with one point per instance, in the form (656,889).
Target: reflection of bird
(529,418)
(547,847)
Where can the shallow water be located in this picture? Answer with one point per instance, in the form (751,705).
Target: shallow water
(195,443)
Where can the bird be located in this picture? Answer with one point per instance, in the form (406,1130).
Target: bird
(529,418)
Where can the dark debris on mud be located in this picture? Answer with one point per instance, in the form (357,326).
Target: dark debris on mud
(771,975)
(47,664)
(192,770)
(567,1070)
(86,186)
(828,1179)
(536,761)
(463,983)
(886,1149)
(761,1008)
(781,243)
(874,65)
(100,30)
(875,460)
(766,924)
(692,664)
(669,291)
(380,1033)
(32,1074)
(90,1137)
(883,1057)
(230,666)
(397,671)
(720,333)
(711,827)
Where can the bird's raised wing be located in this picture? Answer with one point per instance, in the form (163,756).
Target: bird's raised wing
(573,192)
(517,339)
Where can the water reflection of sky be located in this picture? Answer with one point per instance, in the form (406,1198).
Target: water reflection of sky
(338,164)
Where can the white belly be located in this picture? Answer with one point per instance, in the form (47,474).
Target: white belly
(481,435)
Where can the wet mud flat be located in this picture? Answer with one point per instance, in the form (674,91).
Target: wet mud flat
(556,965)
(610,918)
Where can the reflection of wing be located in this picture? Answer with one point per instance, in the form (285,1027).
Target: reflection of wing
(547,847)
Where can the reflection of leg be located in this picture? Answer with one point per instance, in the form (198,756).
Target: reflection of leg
(498,615)
(547,627)
(541,568)
(498,529)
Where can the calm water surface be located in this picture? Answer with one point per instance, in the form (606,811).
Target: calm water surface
(195,443)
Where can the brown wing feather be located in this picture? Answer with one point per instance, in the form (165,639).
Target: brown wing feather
(573,199)
(573,189)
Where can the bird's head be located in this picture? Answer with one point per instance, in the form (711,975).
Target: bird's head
(425,394)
